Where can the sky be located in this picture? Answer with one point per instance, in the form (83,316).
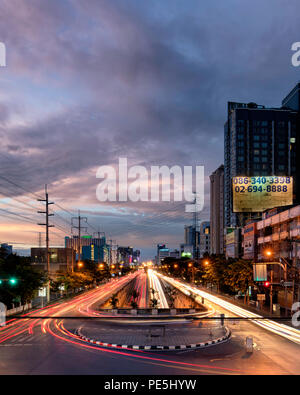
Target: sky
(89,81)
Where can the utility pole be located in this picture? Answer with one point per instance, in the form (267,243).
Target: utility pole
(80,228)
(47,204)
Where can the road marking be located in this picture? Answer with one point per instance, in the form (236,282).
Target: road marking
(16,345)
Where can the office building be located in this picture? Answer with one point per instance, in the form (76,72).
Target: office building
(125,255)
(217,211)
(61,259)
(233,243)
(98,243)
(162,252)
(204,236)
(259,141)
(192,238)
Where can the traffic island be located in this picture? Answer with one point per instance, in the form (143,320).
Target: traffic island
(155,339)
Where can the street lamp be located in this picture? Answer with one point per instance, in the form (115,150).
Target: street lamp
(269,254)
(206,262)
(191,265)
(80,264)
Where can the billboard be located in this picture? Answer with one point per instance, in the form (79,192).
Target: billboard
(257,194)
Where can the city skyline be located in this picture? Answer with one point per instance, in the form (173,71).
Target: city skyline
(151,81)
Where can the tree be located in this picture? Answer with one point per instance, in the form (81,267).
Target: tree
(239,276)
(133,304)
(154,303)
(28,279)
(114,301)
(172,294)
(215,270)
(73,280)
(135,296)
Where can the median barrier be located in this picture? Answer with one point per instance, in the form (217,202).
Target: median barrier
(172,347)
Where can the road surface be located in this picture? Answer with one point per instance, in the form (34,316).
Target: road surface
(37,344)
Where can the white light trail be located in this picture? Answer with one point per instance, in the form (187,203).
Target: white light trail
(156,285)
(288,332)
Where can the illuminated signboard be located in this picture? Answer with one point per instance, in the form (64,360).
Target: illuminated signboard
(256,194)
(186,254)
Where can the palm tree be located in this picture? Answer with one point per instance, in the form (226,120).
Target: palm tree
(172,293)
(154,303)
(135,294)
(114,301)
(133,304)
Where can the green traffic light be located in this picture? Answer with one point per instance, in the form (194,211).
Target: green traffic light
(13,281)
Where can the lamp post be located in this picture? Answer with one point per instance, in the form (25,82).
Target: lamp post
(191,265)
(269,254)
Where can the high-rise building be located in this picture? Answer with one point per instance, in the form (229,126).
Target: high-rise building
(191,238)
(95,246)
(217,211)
(259,141)
(125,255)
(162,252)
(292,101)
(136,257)
(204,235)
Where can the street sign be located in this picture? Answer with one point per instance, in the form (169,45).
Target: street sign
(261,297)
(43,292)
(288,284)
(260,272)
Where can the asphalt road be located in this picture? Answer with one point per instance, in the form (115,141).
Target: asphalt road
(39,345)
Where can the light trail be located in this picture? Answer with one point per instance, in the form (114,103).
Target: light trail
(156,285)
(285,331)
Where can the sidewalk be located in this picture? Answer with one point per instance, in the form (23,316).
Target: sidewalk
(239,303)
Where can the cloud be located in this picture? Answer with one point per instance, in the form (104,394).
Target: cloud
(89,82)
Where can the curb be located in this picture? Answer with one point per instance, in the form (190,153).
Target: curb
(160,348)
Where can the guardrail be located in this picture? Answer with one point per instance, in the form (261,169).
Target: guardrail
(19,309)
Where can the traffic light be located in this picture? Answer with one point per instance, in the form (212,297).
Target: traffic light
(266,284)
(13,281)
(1,282)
